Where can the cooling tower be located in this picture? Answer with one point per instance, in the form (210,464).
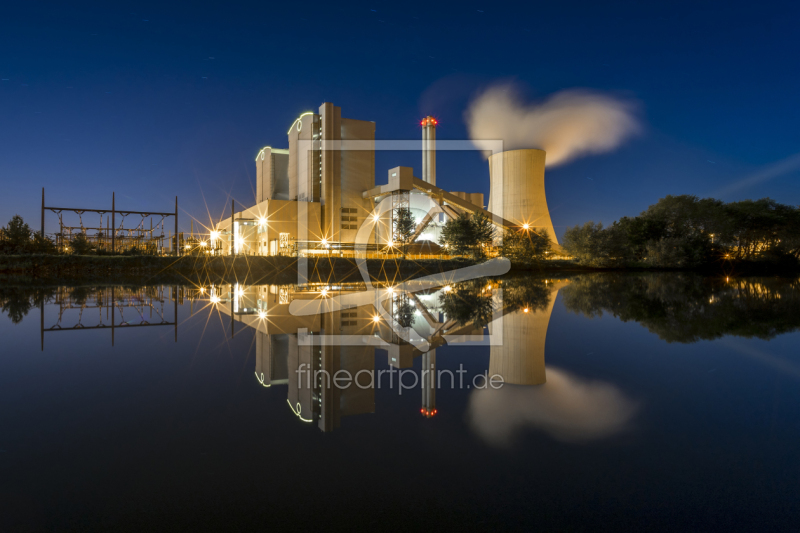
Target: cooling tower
(516,190)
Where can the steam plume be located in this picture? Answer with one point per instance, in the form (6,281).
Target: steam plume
(569,124)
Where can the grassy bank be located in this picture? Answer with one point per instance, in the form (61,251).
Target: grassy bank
(72,269)
(57,269)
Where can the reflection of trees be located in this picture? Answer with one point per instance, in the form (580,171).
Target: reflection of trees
(81,294)
(472,301)
(683,307)
(525,292)
(468,301)
(404,313)
(16,302)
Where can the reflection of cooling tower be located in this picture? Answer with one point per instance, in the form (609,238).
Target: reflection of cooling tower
(517,189)
(520,358)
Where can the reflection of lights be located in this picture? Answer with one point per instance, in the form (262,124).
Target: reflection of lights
(202,289)
(390,290)
(526,226)
(390,244)
(525,310)
(262,221)
(262,314)
(376,319)
(323,293)
(297,411)
(448,288)
(261,379)
(214,235)
(376,217)
(215,299)
(188,246)
(324,242)
(203,244)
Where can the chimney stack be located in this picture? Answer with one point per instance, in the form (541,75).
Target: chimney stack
(429,149)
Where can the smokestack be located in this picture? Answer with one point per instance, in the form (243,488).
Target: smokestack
(429,150)
(424,151)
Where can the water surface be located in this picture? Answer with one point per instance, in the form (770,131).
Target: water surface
(657,401)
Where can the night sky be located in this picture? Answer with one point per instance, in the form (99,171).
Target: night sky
(158,100)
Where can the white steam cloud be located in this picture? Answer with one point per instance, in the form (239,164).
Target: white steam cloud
(567,408)
(568,125)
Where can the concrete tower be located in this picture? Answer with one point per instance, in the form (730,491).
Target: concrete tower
(272,174)
(321,170)
(429,149)
(516,190)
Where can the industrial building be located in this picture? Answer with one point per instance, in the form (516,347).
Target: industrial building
(319,195)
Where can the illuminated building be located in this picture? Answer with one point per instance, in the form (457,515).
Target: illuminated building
(312,197)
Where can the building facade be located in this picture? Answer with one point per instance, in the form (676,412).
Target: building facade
(316,195)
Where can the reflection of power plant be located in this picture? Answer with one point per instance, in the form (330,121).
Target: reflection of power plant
(305,353)
(520,359)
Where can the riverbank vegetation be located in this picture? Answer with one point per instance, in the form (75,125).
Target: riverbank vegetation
(686,232)
(678,232)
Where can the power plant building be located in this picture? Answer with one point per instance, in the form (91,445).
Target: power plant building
(314,196)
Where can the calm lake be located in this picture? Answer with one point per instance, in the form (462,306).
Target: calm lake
(585,402)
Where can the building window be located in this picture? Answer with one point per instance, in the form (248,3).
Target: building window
(283,295)
(284,241)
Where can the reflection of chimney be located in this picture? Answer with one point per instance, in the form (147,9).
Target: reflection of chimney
(428,384)
(429,149)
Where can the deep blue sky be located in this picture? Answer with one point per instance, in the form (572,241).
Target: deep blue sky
(153,100)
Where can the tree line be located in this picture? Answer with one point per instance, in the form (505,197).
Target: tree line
(685,231)
(475,235)
(17,238)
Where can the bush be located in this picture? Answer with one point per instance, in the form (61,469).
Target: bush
(80,245)
(15,238)
(468,235)
(525,246)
